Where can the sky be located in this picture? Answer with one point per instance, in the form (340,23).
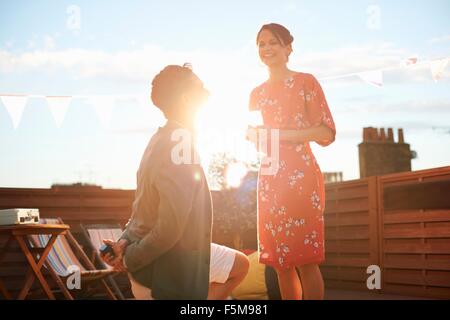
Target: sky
(110,51)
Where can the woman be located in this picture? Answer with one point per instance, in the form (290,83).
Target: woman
(291,201)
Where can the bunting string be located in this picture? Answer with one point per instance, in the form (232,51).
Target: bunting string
(104,104)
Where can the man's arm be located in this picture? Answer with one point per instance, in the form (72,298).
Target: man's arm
(176,186)
(125,235)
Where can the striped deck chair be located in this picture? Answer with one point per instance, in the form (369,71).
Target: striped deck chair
(66,252)
(95,234)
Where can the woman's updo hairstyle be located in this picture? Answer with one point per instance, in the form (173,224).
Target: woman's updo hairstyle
(280,32)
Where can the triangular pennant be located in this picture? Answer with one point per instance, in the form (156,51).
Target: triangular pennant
(15,106)
(144,101)
(58,107)
(410,61)
(152,114)
(374,77)
(437,68)
(103,106)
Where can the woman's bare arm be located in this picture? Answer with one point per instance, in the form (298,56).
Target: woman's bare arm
(319,133)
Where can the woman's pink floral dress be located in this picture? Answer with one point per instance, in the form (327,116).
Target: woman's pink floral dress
(291,202)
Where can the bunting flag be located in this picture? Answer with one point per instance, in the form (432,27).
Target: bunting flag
(15,106)
(103,106)
(58,107)
(144,101)
(374,77)
(437,68)
(150,112)
(410,61)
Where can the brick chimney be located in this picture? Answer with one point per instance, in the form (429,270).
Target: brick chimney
(379,154)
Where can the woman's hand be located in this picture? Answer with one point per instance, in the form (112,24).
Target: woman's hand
(251,134)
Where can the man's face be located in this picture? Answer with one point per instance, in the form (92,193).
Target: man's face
(196,95)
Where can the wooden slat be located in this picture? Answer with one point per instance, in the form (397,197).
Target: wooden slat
(417,262)
(346,285)
(347,261)
(417,247)
(354,205)
(417,277)
(347,233)
(407,231)
(392,217)
(347,220)
(347,246)
(345,274)
(417,291)
(418,195)
(343,193)
(433,174)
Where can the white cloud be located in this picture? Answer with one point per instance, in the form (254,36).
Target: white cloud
(437,106)
(221,67)
(49,43)
(134,64)
(31,44)
(440,39)
(9,44)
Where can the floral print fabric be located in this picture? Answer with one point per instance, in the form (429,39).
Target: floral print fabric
(291,202)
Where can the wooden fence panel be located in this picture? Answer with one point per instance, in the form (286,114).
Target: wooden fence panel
(415,233)
(351,243)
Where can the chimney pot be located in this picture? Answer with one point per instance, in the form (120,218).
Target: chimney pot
(390,136)
(365,134)
(373,134)
(400,136)
(382,135)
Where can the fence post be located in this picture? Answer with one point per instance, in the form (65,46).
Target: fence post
(374,231)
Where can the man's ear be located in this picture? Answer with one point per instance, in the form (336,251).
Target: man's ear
(185,99)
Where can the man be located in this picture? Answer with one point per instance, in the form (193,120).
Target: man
(166,246)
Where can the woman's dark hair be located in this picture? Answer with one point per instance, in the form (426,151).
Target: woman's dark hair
(280,32)
(169,84)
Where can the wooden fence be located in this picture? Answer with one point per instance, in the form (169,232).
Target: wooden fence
(414,232)
(400,222)
(351,233)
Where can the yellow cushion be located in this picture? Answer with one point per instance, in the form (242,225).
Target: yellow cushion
(253,287)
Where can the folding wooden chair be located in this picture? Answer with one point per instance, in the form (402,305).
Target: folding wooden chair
(67,252)
(95,234)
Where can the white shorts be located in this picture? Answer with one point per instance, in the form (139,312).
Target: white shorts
(221,263)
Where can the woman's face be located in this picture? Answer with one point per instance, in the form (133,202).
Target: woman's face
(271,51)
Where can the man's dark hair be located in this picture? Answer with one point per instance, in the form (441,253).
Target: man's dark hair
(170,84)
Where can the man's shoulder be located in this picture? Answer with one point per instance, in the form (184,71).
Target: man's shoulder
(167,143)
(161,141)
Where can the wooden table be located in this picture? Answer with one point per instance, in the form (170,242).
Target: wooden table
(35,260)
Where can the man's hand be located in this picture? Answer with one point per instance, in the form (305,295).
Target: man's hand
(115,261)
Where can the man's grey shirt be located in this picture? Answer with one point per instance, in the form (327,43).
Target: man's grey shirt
(171,217)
